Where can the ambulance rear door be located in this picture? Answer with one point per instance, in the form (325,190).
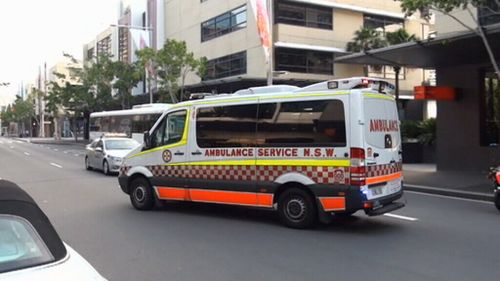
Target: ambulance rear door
(382,143)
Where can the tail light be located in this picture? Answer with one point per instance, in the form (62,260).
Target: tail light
(358,168)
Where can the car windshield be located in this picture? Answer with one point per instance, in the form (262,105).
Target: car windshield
(120,144)
(20,245)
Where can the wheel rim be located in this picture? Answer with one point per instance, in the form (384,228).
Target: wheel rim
(106,168)
(86,162)
(295,209)
(140,194)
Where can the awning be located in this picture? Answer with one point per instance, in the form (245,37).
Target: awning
(442,51)
(309,47)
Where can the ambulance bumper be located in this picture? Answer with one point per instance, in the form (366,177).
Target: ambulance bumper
(383,205)
(123,182)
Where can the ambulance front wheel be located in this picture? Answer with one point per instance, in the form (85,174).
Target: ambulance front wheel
(141,194)
(296,208)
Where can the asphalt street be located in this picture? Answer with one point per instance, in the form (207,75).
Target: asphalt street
(432,238)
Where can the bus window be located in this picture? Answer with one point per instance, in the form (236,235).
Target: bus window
(95,124)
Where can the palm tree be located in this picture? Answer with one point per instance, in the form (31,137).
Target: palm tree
(366,39)
(399,36)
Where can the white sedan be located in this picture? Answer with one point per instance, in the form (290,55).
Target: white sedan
(107,154)
(30,248)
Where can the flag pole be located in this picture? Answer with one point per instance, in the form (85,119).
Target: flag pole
(270,65)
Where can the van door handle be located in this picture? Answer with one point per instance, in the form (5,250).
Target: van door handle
(179,153)
(196,153)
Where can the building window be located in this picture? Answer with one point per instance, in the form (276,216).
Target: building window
(228,22)
(90,53)
(489,13)
(303,15)
(123,38)
(382,24)
(230,65)
(490,110)
(104,46)
(304,61)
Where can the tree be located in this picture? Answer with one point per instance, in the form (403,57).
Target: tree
(447,6)
(399,36)
(170,66)
(127,76)
(366,39)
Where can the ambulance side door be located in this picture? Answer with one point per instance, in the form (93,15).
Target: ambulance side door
(168,151)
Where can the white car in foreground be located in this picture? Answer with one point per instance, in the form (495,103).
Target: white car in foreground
(30,248)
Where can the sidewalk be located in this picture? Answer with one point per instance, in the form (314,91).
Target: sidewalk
(62,141)
(425,178)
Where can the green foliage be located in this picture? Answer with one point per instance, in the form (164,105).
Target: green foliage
(170,66)
(399,36)
(127,76)
(20,111)
(366,39)
(411,6)
(424,131)
(428,131)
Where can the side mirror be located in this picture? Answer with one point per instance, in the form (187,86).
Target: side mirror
(98,149)
(147,140)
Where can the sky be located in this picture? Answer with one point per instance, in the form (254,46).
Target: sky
(37,31)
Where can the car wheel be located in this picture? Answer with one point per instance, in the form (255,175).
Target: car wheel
(296,208)
(497,201)
(105,167)
(87,164)
(141,194)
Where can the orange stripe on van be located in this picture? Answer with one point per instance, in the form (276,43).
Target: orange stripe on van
(172,193)
(216,196)
(384,178)
(231,197)
(332,203)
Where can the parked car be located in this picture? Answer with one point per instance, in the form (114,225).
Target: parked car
(107,154)
(30,248)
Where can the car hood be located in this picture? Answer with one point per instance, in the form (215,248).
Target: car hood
(73,267)
(118,152)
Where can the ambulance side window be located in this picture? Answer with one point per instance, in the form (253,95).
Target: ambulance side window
(226,126)
(303,124)
(170,130)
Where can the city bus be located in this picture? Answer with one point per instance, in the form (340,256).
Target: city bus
(128,122)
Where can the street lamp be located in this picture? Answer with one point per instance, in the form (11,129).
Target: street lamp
(150,30)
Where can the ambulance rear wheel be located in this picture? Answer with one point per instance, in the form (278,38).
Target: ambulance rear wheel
(296,208)
(141,194)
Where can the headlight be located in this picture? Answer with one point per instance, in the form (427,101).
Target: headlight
(115,159)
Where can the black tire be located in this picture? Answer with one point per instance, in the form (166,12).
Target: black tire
(141,194)
(87,165)
(105,168)
(297,209)
(497,201)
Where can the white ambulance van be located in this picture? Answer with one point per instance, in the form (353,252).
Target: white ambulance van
(309,153)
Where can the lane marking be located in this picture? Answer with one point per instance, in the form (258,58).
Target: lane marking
(400,217)
(11,147)
(1,142)
(449,197)
(65,152)
(55,149)
(27,153)
(19,141)
(77,155)
(56,165)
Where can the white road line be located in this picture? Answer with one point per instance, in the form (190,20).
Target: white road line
(400,217)
(19,141)
(11,147)
(77,155)
(55,149)
(1,142)
(56,165)
(449,197)
(65,152)
(27,153)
